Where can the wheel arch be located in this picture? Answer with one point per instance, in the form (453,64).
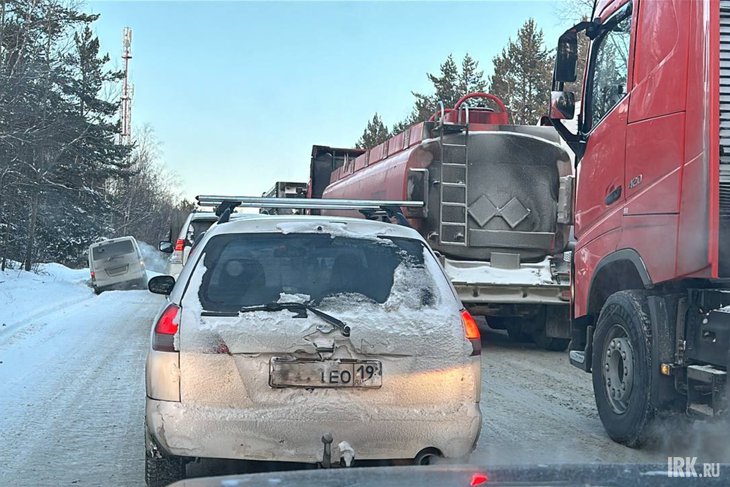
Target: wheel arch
(619,271)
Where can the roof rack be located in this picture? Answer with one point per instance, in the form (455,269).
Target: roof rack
(224,205)
(306,203)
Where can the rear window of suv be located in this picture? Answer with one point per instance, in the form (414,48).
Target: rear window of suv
(114,249)
(196,228)
(250,269)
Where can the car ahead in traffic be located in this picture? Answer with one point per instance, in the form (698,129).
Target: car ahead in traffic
(115,264)
(310,339)
(195,225)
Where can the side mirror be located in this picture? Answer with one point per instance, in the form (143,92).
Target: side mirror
(566,57)
(165,247)
(562,105)
(161,285)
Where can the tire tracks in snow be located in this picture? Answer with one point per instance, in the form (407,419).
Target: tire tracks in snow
(73,399)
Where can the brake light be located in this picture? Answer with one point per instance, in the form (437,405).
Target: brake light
(93,275)
(470,326)
(479,479)
(179,245)
(471,331)
(165,329)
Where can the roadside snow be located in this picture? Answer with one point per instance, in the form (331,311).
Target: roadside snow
(24,295)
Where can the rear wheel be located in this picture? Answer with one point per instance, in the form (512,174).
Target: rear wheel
(517,334)
(621,368)
(159,472)
(159,469)
(98,290)
(547,343)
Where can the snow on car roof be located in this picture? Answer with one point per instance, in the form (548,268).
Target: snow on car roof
(111,240)
(340,226)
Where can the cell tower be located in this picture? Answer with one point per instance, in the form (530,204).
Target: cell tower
(126,135)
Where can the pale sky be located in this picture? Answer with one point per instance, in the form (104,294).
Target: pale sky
(238,92)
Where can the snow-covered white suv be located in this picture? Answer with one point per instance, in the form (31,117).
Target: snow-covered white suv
(289,333)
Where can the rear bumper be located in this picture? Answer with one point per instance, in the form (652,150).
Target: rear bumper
(477,282)
(129,277)
(272,435)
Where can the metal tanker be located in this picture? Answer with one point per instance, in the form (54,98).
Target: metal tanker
(497,208)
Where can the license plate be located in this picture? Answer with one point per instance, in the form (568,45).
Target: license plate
(284,372)
(113,271)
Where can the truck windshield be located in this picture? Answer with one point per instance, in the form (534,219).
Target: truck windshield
(245,269)
(114,249)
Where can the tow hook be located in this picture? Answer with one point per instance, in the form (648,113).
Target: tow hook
(327,454)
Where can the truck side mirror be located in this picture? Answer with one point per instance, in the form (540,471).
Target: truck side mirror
(165,247)
(562,105)
(566,57)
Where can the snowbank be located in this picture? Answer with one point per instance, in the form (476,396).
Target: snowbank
(24,295)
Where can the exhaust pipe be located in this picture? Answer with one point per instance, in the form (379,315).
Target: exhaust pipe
(427,456)
(348,454)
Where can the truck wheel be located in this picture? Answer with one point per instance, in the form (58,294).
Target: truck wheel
(162,471)
(622,366)
(546,343)
(517,334)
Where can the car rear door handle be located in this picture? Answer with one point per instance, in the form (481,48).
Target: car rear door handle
(613,196)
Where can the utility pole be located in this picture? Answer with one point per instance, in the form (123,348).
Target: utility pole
(126,135)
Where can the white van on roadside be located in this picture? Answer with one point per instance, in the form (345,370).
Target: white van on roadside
(116,263)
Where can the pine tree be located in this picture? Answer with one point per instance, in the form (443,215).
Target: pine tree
(375,133)
(449,85)
(522,75)
(471,78)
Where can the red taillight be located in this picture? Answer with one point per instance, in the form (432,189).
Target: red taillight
(165,329)
(471,330)
(479,479)
(93,275)
(470,326)
(179,245)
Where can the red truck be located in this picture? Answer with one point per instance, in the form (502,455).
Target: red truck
(495,208)
(652,208)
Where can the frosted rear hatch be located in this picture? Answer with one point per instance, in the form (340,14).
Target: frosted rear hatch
(403,317)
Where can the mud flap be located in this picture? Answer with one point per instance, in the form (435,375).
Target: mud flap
(557,321)
(581,344)
(663,318)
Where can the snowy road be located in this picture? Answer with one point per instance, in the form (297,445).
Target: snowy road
(72,395)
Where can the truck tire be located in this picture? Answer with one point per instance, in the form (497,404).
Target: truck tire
(546,343)
(517,334)
(622,365)
(162,471)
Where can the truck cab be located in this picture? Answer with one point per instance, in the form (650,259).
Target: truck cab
(651,209)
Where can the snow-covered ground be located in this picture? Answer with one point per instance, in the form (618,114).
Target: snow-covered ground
(25,295)
(71,380)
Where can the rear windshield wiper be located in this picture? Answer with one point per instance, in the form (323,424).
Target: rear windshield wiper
(344,328)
